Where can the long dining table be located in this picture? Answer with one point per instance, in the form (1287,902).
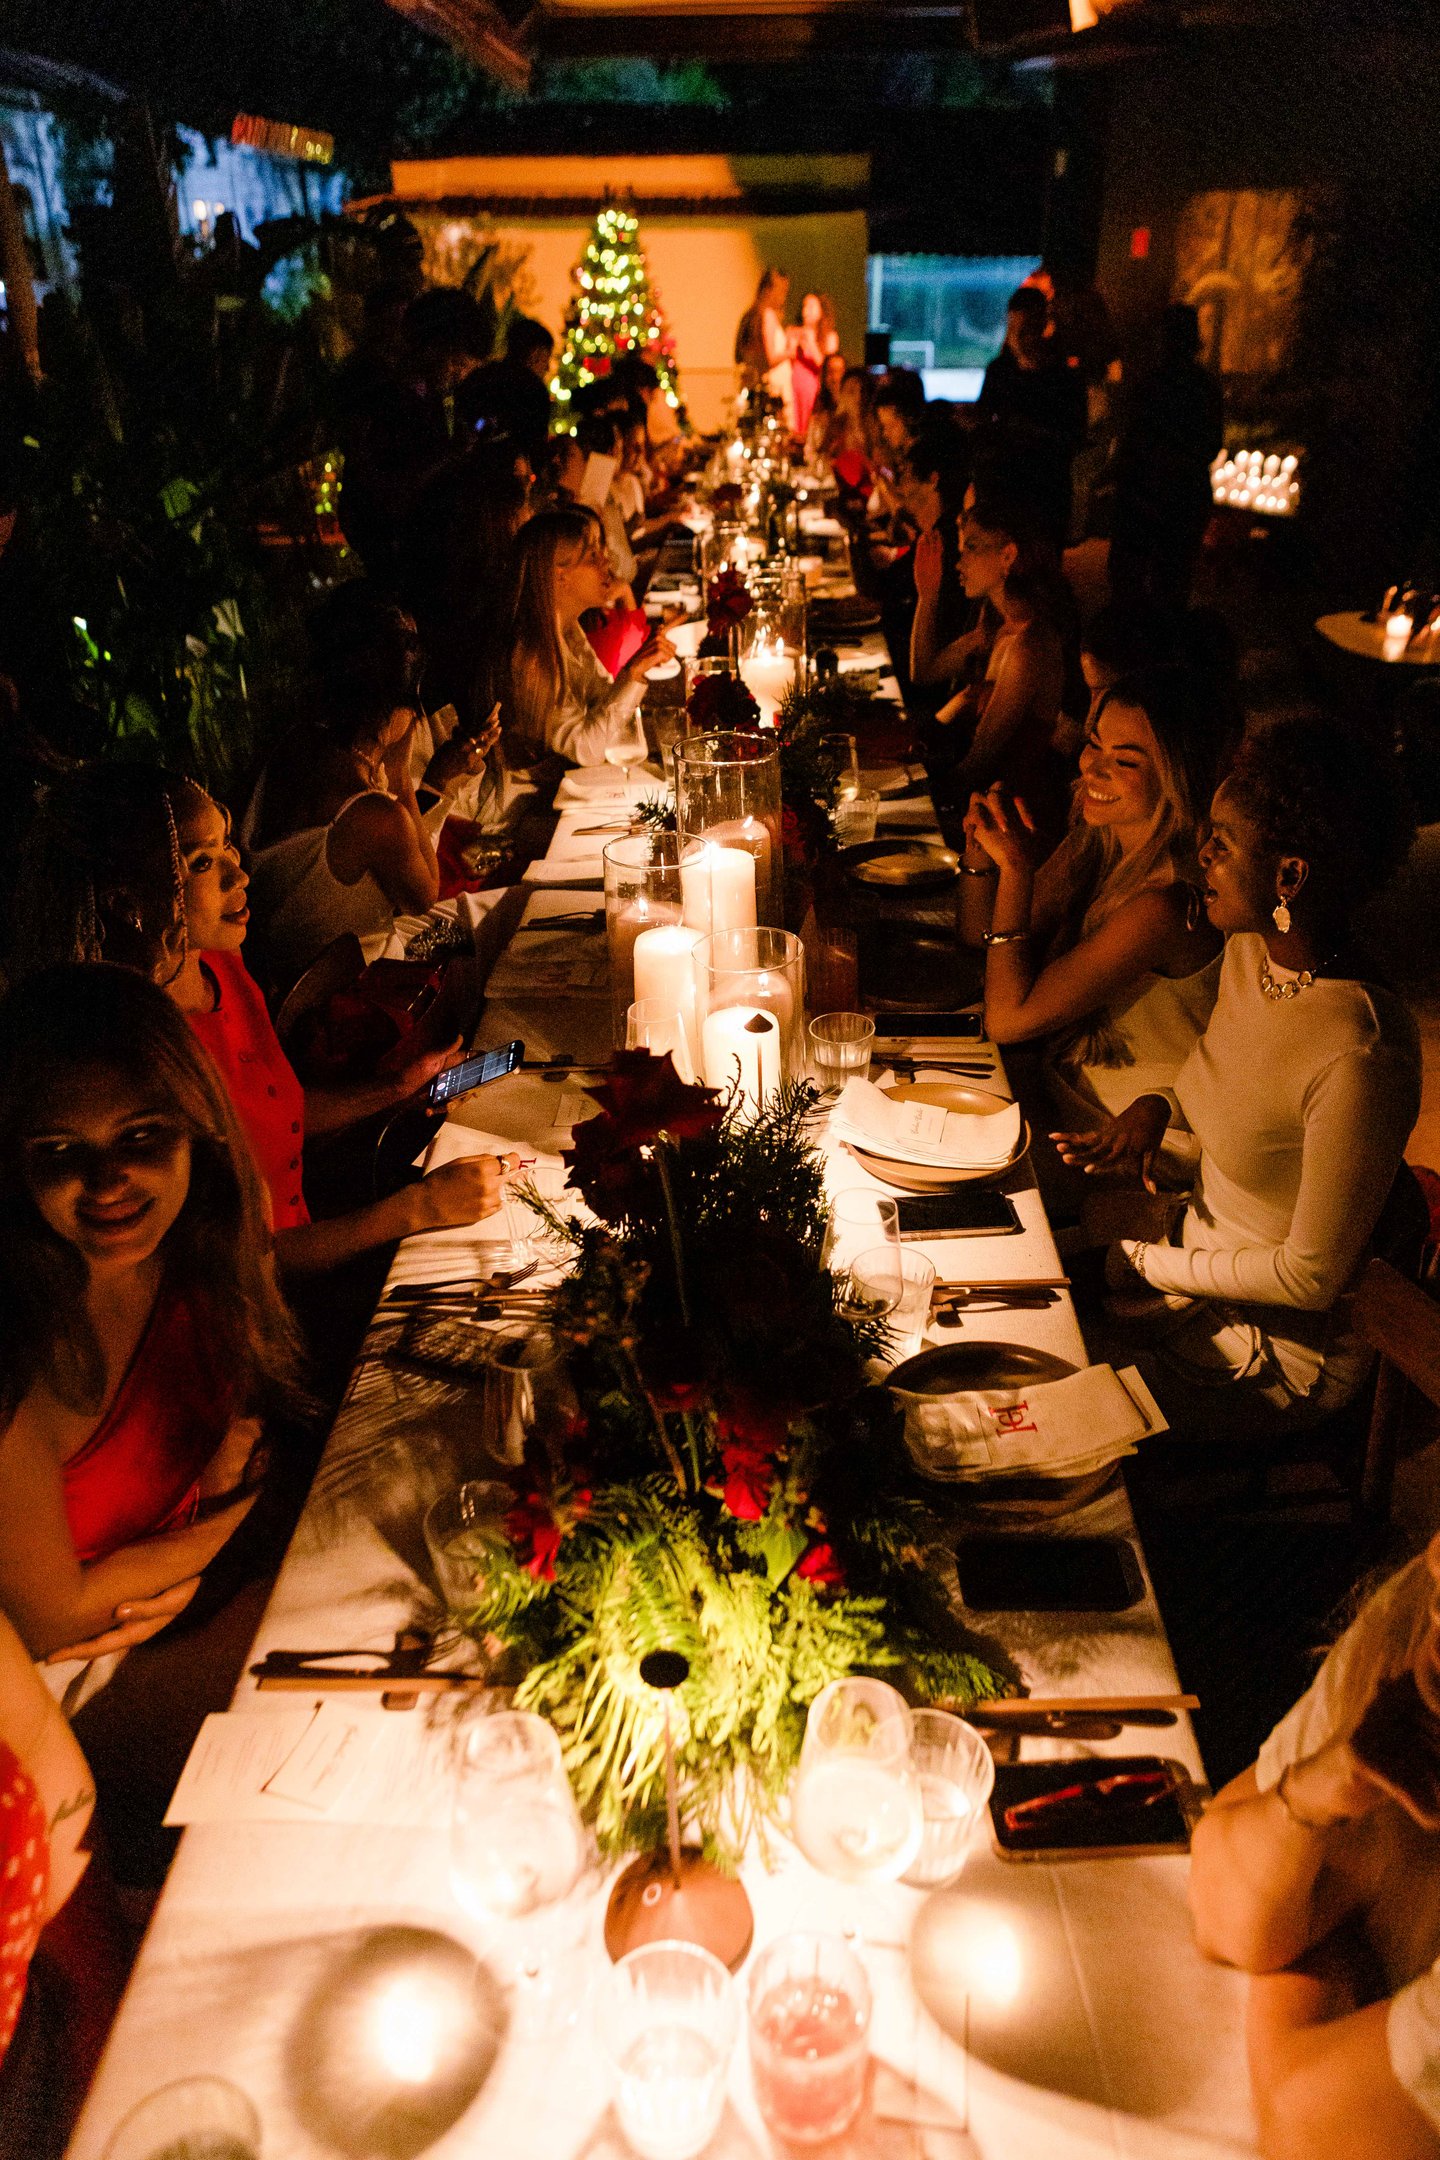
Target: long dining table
(1033,2011)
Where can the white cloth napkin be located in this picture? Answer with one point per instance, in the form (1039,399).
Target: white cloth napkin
(923,1133)
(1057,1428)
(539,961)
(602,786)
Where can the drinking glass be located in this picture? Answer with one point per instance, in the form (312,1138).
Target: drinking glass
(855,1807)
(855,818)
(957,1775)
(667,2019)
(200,2118)
(873,1284)
(809,2022)
(526,1394)
(910,1316)
(841,749)
(626,744)
(517,1852)
(858,1221)
(463,1531)
(840,1046)
(652,1024)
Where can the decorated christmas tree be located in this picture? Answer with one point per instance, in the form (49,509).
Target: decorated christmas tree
(614,314)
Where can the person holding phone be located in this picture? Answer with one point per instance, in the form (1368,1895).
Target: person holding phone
(144,1338)
(557,696)
(1101,953)
(130,864)
(1300,1094)
(1317,1872)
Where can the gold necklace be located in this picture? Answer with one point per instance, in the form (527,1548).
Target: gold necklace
(1280,993)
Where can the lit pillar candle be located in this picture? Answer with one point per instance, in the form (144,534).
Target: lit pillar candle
(626,925)
(718,886)
(754,836)
(665,969)
(1397,635)
(768,674)
(743,1042)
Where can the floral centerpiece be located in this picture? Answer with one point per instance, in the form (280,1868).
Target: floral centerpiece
(729,1489)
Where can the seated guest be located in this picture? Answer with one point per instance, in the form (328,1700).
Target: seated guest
(1301,1095)
(143,1335)
(137,867)
(1318,1873)
(74,1942)
(827,400)
(561,475)
(1013,667)
(339,841)
(512,395)
(473,517)
(1102,951)
(898,415)
(556,695)
(933,483)
(848,442)
(599,437)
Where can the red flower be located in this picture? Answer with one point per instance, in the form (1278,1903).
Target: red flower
(537,1531)
(749,1481)
(722,702)
(727,602)
(819,1566)
(641,1099)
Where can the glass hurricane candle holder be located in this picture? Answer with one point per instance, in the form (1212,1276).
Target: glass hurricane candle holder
(751,990)
(643,900)
(727,791)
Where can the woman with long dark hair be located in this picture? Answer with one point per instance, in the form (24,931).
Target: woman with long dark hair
(142,1337)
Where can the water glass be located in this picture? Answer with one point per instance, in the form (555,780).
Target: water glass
(873,1283)
(857,1222)
(667,2019)
(200,2118)
(957,1775)
(840,1046)
(855,818)
(653,1024)
(463,1531)
(855,1805)
(909,1317)
(526,1394)
(809,2025)
(517,1851)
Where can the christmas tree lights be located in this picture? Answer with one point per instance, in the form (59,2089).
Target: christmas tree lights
(614,314)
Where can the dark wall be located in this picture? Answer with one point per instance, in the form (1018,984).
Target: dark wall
(1355,117)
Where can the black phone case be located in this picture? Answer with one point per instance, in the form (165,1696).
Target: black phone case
(1111,1828)
(936,1027)
(972,1211)
(1040,1574)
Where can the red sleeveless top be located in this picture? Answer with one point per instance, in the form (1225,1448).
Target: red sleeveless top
(139,1471)
(264,1092)
(24,1885)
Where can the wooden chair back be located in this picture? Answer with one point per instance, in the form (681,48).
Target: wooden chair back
(1402,1322)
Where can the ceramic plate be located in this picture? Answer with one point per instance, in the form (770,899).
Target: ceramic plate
(946,1095)
(902,866)
(951,1367)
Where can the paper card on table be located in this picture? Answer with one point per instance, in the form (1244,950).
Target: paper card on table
(321,1764)
(540,962)
(910,1131)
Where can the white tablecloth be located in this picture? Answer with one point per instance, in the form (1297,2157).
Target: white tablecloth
(1094,2028)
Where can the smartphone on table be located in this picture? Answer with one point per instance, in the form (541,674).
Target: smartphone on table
(932,1026)
(1097,1807)
(473,1072)
(969,1211)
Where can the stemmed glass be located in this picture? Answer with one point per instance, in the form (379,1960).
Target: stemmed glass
(517,1853)
(855,1806)
(627,744)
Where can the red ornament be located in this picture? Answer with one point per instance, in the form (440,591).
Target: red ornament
(819,1566)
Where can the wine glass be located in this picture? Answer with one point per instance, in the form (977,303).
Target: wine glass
(526,1395)
(627,744)
(855,1806)
(517,1853)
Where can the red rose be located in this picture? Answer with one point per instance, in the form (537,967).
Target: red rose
(641,1099)
(722,702)
(727,602)
(819,1566)
(749,1481)
(537,1532)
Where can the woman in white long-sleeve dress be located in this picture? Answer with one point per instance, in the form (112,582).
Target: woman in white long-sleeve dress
(1301,1093)
(554,693)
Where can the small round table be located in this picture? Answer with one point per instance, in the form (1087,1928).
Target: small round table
(1353,633)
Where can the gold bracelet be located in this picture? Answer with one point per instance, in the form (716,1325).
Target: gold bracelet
(1005,937)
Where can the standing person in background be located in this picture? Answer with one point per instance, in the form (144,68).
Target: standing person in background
(1163,496)
(513,394)
(812,341)
(762,345)
(1031,392)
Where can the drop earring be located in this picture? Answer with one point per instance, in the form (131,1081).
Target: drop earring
(1280,915)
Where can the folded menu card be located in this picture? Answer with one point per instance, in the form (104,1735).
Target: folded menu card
(908,1131)
(322,1762)
(1057,1428)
